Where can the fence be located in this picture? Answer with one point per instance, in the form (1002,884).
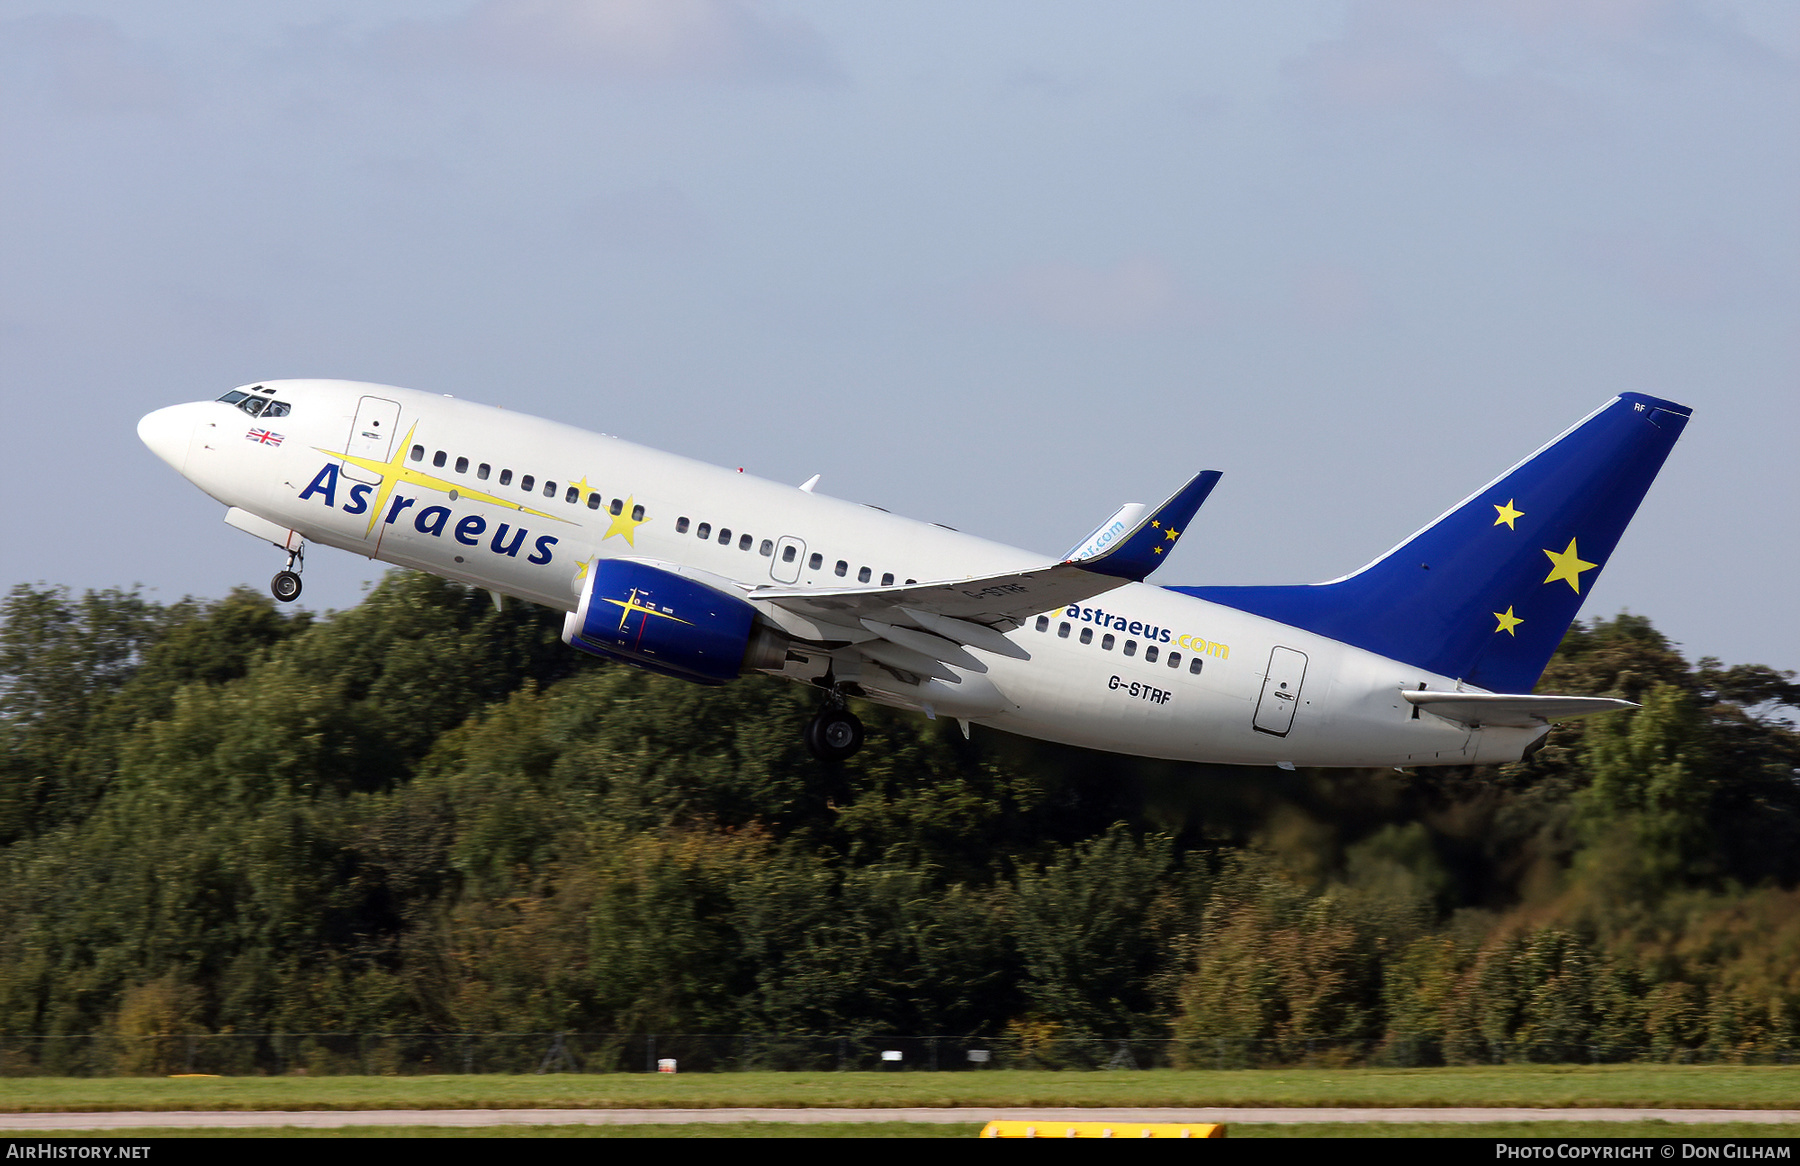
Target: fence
(390,1054)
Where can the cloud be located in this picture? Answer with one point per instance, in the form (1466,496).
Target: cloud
(635,40)
(1531,66)
(87,65)
(1137,294)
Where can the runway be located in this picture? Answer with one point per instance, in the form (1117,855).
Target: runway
(19,1123)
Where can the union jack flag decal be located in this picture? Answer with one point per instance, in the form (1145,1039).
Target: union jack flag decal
(263,436)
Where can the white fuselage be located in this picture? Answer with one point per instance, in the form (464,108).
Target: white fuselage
(448,511)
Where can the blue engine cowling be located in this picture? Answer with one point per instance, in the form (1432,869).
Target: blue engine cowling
(661,621)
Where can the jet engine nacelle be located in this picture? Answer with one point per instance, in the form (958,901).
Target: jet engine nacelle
(668,623)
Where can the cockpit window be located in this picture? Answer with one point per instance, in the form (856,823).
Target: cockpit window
(255,406)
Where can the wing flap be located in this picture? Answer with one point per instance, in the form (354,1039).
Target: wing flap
(937,647)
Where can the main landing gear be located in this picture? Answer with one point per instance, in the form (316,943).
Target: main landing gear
(285,586)
(834,734)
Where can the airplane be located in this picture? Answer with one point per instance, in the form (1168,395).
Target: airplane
(1426,656)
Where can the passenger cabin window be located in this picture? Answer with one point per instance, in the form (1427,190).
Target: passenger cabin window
(637,514)
(418,453)
(618,507)
(744,543)
(549,489)
(862,576)
(1062,631)
(1174,659)
(768,548)
(1043,623)
(681,525)
(527,482)
(573,496)
(437,459)
(1195,664)
(594,504)
(724,536)
(506,477)
(1106,642)
(704,530)
(887,580)
(1131,647)
(817,561)
(1150,651)
(841,568)
(1087,635)
(481,471)
(462,465)
(787,554)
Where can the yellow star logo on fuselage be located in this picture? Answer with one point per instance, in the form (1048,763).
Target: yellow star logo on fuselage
(1507,622)
(623,522)
(1567,566)
(395,471)
(1507,514)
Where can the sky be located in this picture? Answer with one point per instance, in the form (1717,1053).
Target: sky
(1002,265)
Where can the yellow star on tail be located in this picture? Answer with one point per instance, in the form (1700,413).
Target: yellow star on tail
(1568,567)
(1508,515)
(1507,622)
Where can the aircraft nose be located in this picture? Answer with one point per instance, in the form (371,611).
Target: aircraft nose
(166,432)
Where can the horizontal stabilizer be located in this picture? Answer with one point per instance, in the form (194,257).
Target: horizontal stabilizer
(1501,710)
(1132,552)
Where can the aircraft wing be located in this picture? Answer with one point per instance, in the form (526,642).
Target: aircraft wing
(1514,712)
(1004,600)
(923,627)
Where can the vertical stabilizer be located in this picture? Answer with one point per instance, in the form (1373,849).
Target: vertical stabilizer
(1486,592)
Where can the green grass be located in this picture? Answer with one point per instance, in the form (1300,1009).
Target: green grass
(1487,1130)
(1704,1087)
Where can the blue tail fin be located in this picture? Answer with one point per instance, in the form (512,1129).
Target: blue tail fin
(1486,592)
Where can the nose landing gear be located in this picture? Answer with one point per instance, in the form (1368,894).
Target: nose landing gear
(285,586)
(834,734)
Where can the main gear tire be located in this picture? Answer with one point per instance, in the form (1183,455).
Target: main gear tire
(834,735)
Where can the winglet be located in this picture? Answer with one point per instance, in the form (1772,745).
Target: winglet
(1142,549)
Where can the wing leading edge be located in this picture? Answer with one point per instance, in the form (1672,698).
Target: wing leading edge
(925,627)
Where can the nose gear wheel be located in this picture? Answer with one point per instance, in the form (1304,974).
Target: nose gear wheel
(285,586)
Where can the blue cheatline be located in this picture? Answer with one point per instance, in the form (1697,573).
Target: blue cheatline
(1486,592)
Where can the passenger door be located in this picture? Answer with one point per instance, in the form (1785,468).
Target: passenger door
(372,436)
